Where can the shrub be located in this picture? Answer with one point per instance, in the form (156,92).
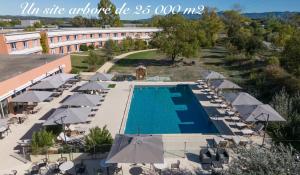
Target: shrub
(99,140)
(273,61)
(91,47)
(83,47)
(41,140)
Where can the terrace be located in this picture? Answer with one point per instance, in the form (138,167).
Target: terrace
(113,113)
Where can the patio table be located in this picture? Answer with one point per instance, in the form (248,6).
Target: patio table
(64,167)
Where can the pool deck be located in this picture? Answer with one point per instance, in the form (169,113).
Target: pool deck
(112,113)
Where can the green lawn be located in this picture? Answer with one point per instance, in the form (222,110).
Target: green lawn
(159,65)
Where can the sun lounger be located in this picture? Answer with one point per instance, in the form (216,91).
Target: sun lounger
(220,142)
(206,156)
(222,156)
(247,131)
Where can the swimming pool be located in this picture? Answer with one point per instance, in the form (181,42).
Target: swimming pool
(166,110)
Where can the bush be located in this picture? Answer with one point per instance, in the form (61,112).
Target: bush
(91,47)
(41,140)
(83,47)
(99,140)
(273,61)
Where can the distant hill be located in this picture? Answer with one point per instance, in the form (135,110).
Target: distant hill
(279,15)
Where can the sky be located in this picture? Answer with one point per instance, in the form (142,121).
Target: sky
(17,7)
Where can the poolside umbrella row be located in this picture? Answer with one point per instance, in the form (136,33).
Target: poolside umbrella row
(252,113)
(136,149)
(60,77)
(212,75)
(241,98)
(93,86)
(101,77)
(32,97)
(68,116)
(224,84)
(53,82)
(82,100)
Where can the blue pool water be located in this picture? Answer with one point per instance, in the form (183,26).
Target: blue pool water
(166,110)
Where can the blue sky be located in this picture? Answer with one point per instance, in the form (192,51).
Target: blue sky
(12,7)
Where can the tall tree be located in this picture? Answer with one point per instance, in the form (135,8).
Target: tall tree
(111,18)
(178,37)
(212,25)
(291,55)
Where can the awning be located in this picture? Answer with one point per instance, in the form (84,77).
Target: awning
(136,149)
(82,100)
(32,97)
(241,98)
(101,77)
(68,116)
(255,113)
(92,86)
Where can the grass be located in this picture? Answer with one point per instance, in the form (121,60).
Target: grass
(78,61)
(159,65)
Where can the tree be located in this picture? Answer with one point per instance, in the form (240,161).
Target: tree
(109,49)
(178,37)
(111,18)
(83,47)
(99,140)
(37,25)
(41,141)
(212,25)
(291,55)
(234,21)
(78,21)
(93,60)
(253,45)
(43,41)
(263,161)
(140,44)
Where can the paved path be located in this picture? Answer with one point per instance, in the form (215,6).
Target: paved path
(108,65)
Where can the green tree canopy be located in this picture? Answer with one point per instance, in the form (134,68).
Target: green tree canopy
(291,55)
(98,140)
(212,25)
(110,18)
(178,38)
(263,161)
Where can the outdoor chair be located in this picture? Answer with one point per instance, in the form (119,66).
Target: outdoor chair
(14,172)
(54,168)
(35,170)
(258,128)
(175,166)
(222,156)
(206,156)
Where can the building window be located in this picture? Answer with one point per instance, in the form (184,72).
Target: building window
(76,47)
(51,40)
(35,43)
(115,35)
(69,49)
(75,37)
(68,37)
(61,50)
(91,35)
(107,35)
(53,51)
(13,46)
(123,34)
(59,39)
(84,36)
(100,35)
(25,44)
